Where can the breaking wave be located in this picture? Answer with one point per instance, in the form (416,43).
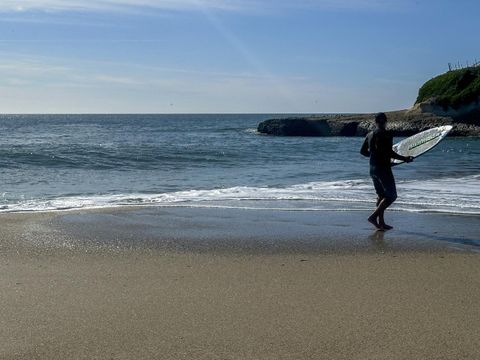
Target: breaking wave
(444,195)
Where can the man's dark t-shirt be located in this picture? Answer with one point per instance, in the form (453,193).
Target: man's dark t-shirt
(378,146)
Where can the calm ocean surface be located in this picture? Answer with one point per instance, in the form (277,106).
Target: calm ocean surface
(52,162)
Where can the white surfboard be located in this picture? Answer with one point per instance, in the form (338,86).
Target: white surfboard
(420,143)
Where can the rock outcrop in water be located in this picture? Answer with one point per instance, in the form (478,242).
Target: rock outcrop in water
(449,99)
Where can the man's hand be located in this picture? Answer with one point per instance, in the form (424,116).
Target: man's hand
(409,159)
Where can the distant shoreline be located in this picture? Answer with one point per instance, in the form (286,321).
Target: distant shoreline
(401,123)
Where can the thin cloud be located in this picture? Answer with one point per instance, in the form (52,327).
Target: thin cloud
(21,6)
(93,73)
(30,85)
(113,5)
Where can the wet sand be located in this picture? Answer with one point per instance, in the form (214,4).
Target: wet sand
(113,285)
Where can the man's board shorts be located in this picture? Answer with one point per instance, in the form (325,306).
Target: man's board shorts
(384,183)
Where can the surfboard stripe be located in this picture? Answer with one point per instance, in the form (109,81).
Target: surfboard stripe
(424,142)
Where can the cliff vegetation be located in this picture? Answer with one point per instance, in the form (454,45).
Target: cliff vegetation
(453,89)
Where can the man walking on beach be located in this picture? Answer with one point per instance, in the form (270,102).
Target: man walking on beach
(378,147)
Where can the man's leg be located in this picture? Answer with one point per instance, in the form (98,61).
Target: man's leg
(375,220)
(390,188)
(381,220)
(384,184)
(379,214)
(377,184)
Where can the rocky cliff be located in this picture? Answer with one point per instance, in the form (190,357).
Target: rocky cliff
(449,99)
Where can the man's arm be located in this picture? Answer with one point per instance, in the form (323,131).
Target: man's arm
(396,156)
(393,155)
(407,159)
(364,150)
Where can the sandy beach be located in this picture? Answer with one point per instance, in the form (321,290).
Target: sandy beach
(70,292)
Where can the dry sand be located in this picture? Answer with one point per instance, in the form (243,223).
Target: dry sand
(158,304)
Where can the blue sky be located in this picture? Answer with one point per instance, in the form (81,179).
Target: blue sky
(215,56)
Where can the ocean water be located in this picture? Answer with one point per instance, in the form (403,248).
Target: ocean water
(60,162)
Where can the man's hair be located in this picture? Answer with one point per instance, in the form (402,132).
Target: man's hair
(380,118)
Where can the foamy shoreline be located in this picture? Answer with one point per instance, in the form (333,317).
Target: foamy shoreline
(452,195)
(224,230)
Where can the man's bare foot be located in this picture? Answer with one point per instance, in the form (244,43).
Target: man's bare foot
(386,227)
(373,221)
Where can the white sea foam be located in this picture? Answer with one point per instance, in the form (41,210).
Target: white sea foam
(444,195)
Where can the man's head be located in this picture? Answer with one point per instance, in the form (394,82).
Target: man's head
(381,120)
